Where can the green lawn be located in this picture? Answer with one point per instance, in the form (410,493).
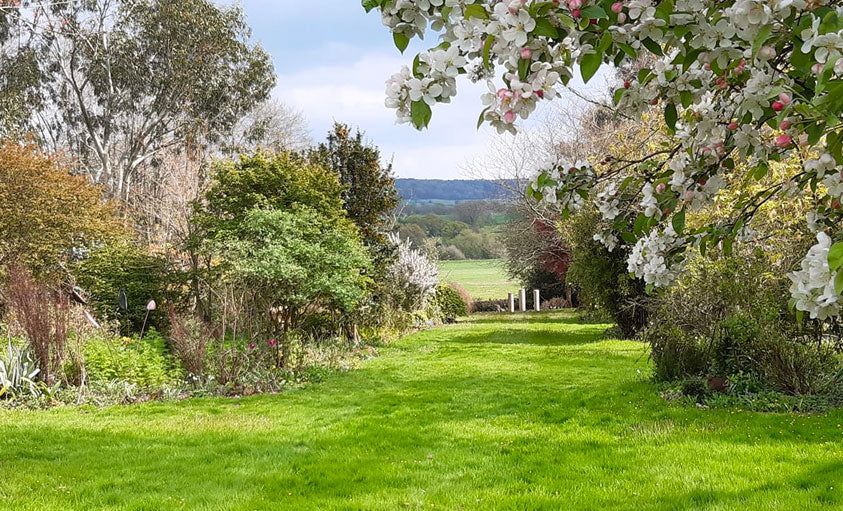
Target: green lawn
(503,413)
(484,280)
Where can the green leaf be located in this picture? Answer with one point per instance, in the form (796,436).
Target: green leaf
(653,47)
(679,222)
(640,224)
(482,118)
(371,4)
(664,10)
(421,114)
(629,50)
(544,27)
(670,116)
(476,11)
(618,95)
(487,48)
(838,284)
(761,38)
(835,256)
(605,42)
(401,41)
(589,65)
(567,21)
(523,68)
(593,12)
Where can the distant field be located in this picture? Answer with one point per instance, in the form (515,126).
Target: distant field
(484,280)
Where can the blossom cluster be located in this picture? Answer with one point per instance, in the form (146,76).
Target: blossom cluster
(739,83)
(813,285)
(651,255)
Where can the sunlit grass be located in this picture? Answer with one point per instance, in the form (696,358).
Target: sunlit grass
(505,412)
(484,279)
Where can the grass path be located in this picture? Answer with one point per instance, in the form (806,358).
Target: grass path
(497,414)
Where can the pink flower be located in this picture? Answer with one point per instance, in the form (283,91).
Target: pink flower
(574,4)
(526,54)
(273,342)
(509,117)
(252,346)
(660,188)
(785,98)
(733,126)
(617,7)
(777,106)
(783,140)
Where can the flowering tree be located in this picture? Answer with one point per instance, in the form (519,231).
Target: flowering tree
(740,83)
(413,273)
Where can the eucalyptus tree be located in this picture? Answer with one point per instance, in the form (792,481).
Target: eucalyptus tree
(119,83)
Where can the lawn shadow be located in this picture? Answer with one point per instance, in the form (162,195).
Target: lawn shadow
(530,336)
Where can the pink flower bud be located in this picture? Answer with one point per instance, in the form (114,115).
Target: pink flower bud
(526,54)
(617,7)
(733,126)
(767,52)
(621,18)
(509,117)
(504,94)
(785,124)
(783,140)
(576,13)
(777,106)
(574,4)
(540,93)
(784,98)
(660,187)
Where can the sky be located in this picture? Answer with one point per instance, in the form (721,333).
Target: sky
(333,59)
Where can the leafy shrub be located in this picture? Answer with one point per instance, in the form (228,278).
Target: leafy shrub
(451,253)
(795,368)
(122,265)
(451,302)
(676,355)
(602,277)
(143,362)
(736,346)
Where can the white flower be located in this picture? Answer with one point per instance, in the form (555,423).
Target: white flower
(813,285)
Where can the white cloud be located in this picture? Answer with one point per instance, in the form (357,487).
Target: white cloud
(353,92)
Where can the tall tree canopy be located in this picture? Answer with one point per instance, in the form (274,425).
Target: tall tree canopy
(119,82)
(369,186)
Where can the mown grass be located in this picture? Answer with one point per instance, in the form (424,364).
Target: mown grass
(483,279)
(500,413)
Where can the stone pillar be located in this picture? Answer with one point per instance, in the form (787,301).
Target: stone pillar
(522,298)
(537,300)
(511,302)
